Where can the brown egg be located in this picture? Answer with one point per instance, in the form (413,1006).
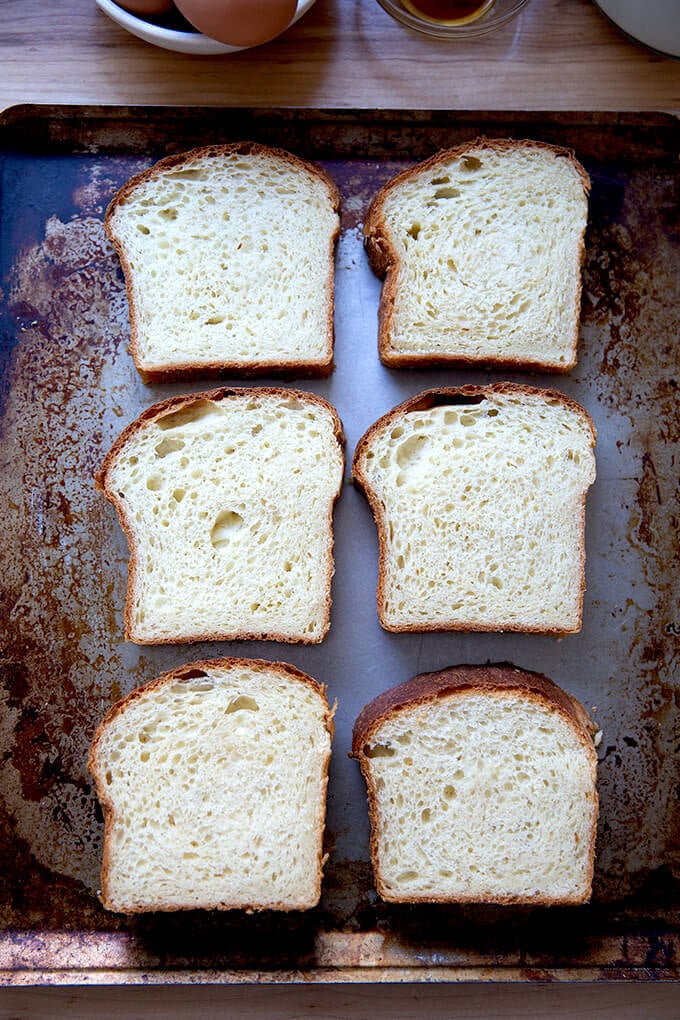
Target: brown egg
(147,7)
(239,22)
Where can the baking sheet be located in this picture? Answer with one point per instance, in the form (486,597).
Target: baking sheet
(67,388)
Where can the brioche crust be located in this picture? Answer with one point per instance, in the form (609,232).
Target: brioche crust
(491,677)
(496,679)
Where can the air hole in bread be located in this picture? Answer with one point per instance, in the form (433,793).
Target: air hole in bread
(411,450)
(242,704)
(407,876)
(446,193)
(379,751)
(167,446)
(154,483)
(226,524)
(414,230)
(188,415)
(452,400)
(472,163)
(189,175)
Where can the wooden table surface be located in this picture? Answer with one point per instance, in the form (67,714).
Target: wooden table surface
(557,55)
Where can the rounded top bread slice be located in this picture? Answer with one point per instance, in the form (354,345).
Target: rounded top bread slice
(226,498)
(480,247)
(478,494)
(491,678)
(228,257)
(212,781)
(454,783)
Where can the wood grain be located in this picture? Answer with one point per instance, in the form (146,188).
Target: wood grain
(408,1002)
(558,54)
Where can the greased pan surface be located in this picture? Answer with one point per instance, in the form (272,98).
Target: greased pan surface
(67,389)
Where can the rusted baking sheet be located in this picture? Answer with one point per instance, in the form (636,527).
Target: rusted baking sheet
(67,387)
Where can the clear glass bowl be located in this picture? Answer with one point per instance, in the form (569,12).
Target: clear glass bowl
(491,17)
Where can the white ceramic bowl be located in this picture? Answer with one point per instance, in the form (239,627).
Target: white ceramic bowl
(172,39)
(655,23)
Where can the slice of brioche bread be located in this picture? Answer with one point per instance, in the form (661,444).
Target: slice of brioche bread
(481,788)
(481,249)
(212,780)
(478,494)
(228,254)
(226,498)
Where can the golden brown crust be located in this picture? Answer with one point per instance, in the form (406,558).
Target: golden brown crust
(185,371)
(188,671)
(491,678)
(188,369)
(159,410)
(498,679)
(422,402)
(384,258)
